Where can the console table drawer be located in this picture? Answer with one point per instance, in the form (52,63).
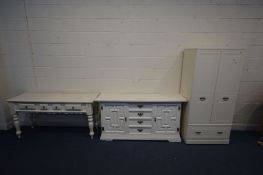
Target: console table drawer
(57,107)
(73,107)
(26,106)
(44,107)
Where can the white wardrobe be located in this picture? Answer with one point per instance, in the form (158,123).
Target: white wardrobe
(210,82)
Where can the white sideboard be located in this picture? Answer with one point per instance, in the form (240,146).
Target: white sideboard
(52,103)
(210,82)
(140,116)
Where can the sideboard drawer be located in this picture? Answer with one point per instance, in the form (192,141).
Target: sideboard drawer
(140,122)
(137,130)
(140,114)
(140,108)
(73,107)
(26,106)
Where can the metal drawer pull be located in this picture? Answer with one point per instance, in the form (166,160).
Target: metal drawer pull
(140,121)
(140,130)
(140,106)
(198,132)
(140,114)
(202,98)
(225,98)
(219,132)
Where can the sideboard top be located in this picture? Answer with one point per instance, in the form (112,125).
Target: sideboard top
(109,97)
(54,97)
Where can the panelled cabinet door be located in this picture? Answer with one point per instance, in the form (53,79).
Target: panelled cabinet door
(167,118)
(113,118)
(201,107)
(206,71)
(223,110)
(229,74)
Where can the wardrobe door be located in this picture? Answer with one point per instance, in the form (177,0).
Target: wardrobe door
(206,67)
(223,109)
(230,68)
(200,109)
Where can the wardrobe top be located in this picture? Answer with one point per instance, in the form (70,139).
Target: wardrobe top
(54,97)
(110,97)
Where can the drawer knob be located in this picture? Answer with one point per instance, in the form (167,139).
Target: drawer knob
(225,98)
(140,130)
(198,132)
(140,114)
(72,108)
(220,132)
(140,106)
(26,107)
(202,98)
(140,121)
(43,107)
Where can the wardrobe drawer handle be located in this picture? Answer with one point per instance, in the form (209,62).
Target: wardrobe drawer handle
(140,114)
(140,130)
(220,132)
(225,98)
(198,132)
(202,98)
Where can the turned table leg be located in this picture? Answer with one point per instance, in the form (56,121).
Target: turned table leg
(17,125)
(33,120)
(90,120)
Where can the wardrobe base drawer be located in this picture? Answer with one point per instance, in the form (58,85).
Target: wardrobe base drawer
(207,141)
(208,132)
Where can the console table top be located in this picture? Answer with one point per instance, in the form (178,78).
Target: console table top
(121,97)
(43,97)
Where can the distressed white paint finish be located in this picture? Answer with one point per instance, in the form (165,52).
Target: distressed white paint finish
(125,45)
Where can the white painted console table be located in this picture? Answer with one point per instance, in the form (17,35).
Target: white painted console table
(52,103)
(140,116)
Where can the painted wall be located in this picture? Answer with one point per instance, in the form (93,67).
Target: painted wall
(127,45)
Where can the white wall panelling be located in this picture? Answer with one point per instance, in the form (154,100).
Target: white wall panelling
(125,45)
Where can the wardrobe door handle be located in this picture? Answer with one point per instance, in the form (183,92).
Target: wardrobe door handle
(220,132)
(225,98)
(198,132)
(202,98)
